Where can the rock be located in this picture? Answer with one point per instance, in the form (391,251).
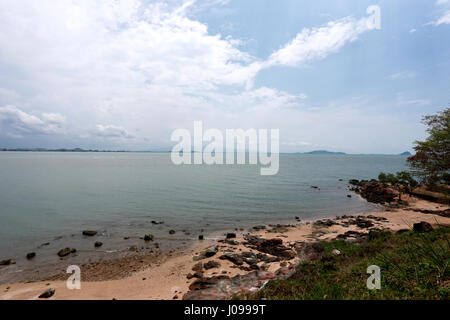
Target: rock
(73,250)
(198,267)
(172,232)
(233,258)
(148,237)
(31,255)
(157,222)
(211,265)
(231,236)
(64,252)
(375,192)
(208,253)
(133,248)
(350,234)
(349,196)
(259,228)
(211,251)
(336,252)
(232,243)
(200,237)
(422,227)
(325,223)
(6,262)
(98,244)
(273,247)
(363,223)
(47,294)
(89,233)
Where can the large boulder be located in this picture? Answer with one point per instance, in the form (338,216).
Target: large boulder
(422,227)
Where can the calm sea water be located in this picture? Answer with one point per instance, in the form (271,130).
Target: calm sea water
(53,196)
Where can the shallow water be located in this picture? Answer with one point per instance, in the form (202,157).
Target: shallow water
(52,197)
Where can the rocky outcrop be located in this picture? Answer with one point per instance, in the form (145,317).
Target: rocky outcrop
(375,192)
(224,287)
(438,194)
(273,247)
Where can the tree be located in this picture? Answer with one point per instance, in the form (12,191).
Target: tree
(431,163)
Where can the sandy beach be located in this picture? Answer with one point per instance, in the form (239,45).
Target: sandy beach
(169,278)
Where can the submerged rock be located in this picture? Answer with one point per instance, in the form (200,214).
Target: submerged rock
(64,252)
(6,262)
(31,255)
(98,244)
(89,233)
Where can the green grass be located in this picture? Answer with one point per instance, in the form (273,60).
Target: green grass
(413,266)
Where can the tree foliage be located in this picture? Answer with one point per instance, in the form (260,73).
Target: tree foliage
(431,163)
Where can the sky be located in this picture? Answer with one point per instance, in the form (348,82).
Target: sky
(124,74)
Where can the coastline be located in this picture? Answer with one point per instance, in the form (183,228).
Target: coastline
(165,278)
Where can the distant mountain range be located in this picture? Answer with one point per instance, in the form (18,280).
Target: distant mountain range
(325,152)
(316,152)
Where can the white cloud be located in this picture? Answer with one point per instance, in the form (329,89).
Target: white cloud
(445,19)
(445,13)
(318,43)
(403,75)
(110,131)
(15,120)
(146,68)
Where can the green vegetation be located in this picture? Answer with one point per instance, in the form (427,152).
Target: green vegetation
(402,181)
(432,159)
(413,266)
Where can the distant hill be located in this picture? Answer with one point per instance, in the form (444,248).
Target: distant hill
(406,153)
(325,152)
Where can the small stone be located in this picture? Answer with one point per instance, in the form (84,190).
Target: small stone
(6,262)
(175,297)
(98,244)
(336,252)
(89,233)
(148,237)
(231,235)
(349,196)
(31,255)
(200,237)
(64,252)
(172,232)
(47,294)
